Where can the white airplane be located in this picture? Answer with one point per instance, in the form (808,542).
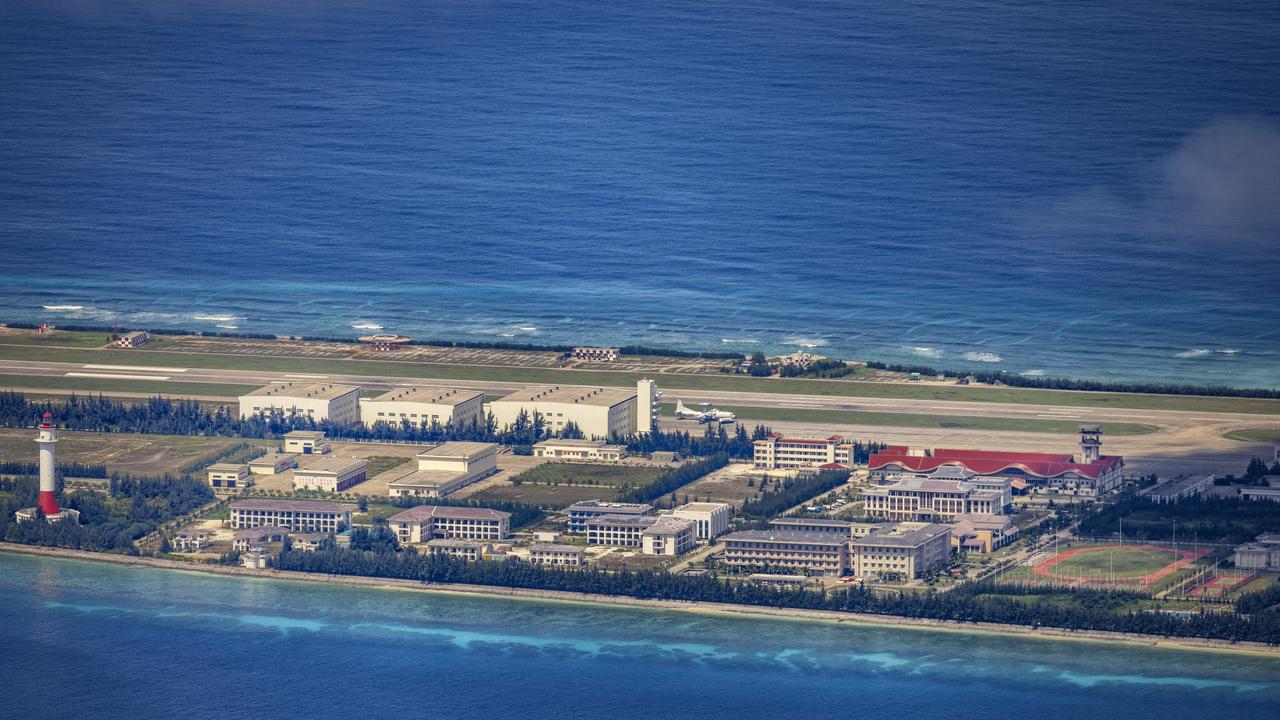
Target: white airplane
(706,415)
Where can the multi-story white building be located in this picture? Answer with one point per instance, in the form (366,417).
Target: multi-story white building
(669,535)
(446,468)
(711,520)
(191,539)
(981,533)
(331,474)
(1093,476)
(619,530)
(808,553)
(915,499)
(580,512)
(428,522)
(339,404)
(600,413)
(258,537)
(229,477)
(300,515)
(777,452)
(911,549)
(553,554)
(424,406)
(586,450)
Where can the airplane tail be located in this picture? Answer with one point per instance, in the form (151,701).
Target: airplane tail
(680,406)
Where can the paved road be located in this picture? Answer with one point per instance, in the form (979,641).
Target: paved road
(1187,442)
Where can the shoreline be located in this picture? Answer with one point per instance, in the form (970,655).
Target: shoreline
(704,608)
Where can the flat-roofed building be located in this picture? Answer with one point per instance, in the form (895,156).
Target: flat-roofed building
(803,524)
(258,537)
(924,499)
(428,522)
(424,406)
(273,463)
(600,413)
(778,452)
(339,404)
(619,530)
(711,520)
(469,550)
(1271,494)
(228,477)
(669,535)
(580,512)
(982,533)
(588,450)
(299,515)
(807,553)
(597,354)
(191,539)
(553,554)
(1181,489)
(447,468)
(306,442)
(910,549)
(782,581)
(331,474)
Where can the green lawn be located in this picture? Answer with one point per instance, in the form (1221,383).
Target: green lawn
(58,339)
(614,476)
(837,388)
(1128,562)
(379,464)
(553,496)
(916,420)
(1255,436)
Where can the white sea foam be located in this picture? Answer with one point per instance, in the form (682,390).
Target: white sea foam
(739,341)
(1228,351)
(228,326)
(63,308)
(528,328)
(1197,353)
(216,318)
(983,357)
(366,325)
(805,342)
(927,352)
(1033,373)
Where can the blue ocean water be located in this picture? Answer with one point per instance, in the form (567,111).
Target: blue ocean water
(118,642)
(1081,187)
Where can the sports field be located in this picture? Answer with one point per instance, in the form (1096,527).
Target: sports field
(1129,566)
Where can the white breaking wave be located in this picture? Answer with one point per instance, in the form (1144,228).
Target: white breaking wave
(983,357)
(927,352)
(216,318)
(1229,351)
(63,308)
(366,326)
(736,341)
(805,342)
(228,326)
(1198,352)
(1033,373)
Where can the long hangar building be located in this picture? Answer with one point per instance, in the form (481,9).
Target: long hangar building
(601,413)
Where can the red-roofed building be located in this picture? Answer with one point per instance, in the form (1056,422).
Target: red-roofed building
(776,452)
(1053,472)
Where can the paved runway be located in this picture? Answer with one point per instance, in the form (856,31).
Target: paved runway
(1187,442)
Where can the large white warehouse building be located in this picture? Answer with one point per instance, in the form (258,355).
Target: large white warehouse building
(339,404)
(601,413)
(424,405)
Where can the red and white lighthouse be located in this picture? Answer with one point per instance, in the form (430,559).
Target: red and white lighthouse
(47,439)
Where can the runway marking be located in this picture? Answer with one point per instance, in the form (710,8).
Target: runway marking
(116,376)
(135,367)
(304,375)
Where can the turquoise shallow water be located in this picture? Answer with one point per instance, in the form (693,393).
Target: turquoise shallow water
(117,642)
(1081,188)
